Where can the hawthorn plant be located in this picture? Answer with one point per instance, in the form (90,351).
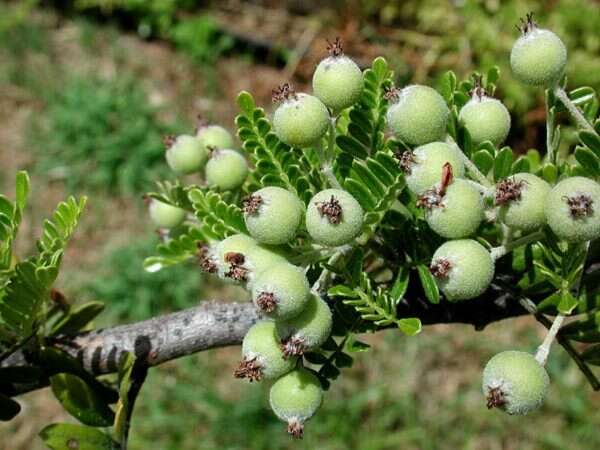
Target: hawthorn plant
(361,206)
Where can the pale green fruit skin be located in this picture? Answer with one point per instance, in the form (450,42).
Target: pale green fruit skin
(526,214)
(538,58)
(419,116)
(237,243)
(312,325)
(301,121)
(226,169)
(461,213)
(486,119)
(260,260)
(261,342)
(333,235)
(426,171)
(164,215)
(337,82)
(296,396)
(559,218)
(186,155)
(290,287)
(277,218)
(522,379)
(214,136)
(472,269)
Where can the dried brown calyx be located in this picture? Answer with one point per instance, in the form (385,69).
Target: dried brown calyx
(295,428)
(236,271)
(434,197)
(391,94)
(509,190)
(495,397)
(335,48)
(249,368)
(440,268)
(169,141)
(283,92)
(251,204)
(580,206)
(266,301)
(332,209)
(201,122)
(478,90)
(526,25)
(293,346)
(406,159)
(206,260)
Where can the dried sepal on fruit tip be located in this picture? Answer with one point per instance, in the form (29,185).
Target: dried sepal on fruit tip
(293,346)
(495,398)
(508,190)
(440,268)
(249,368)
(434,197)
(391,94)
(580,205)
(236,271)
(251,204)
(526,25)
(406,160)
(169,140)
(331,209)
(266,302)
(283,92)
(295,428)
(478,91)
(335,48)
(206,260)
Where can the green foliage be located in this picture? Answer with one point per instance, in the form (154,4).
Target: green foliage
(99,134)
(201,40)
(66,436)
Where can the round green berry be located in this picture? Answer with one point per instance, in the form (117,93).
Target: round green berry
(214,136)
(423,166)
(337,82)
(515,382)
(333,217)
(273,215)
(456,212)
(226,169)
(521,199)
(573,209)
(538,57)
(463,269)
(281,292)
(295,398)
(308,330)
(260,260)
(300,120)
(164,215)
(418,115)
(486,119)
(185,154)
(262,356)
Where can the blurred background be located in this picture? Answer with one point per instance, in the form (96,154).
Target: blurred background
(89,87)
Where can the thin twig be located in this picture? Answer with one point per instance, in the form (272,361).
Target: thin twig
(498,252)
(582,122)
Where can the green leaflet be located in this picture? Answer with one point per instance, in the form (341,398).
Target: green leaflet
(219,219)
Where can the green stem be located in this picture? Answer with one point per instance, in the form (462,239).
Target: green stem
(330,155)
(541,355)
(550,150)
(498,252)
(577,115)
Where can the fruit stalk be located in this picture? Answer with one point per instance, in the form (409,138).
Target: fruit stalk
(541,355)
(573,110)
(500,251)
(330,155)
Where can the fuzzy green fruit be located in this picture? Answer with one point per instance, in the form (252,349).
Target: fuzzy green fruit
(419,115)
(538,57)
(486,119)
(281,292)
(273,215)
(214,136)
(463,269)
(337,82)
(333,217)
(226,169)
(423,167)
(515,382)
(260,260)
(262,356)
(455,214)
(300,120)
(573,209)
(521,199)
(185,155)
(164,215)
(308,330)
(295,397)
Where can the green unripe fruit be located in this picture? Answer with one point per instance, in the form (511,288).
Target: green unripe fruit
(455,213)
(164,215)
(521,199)
(515,382)
(294,398)
(463,269)
(538,57)
(214,136)
(308,330)
(419,115)
(486,119)
(261,354)
(226,169)
(333,217)
(273,215)
(301,119)
(423,167)
(573,209)
(281,292)
(185,154)
(338,82)
(260,260)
